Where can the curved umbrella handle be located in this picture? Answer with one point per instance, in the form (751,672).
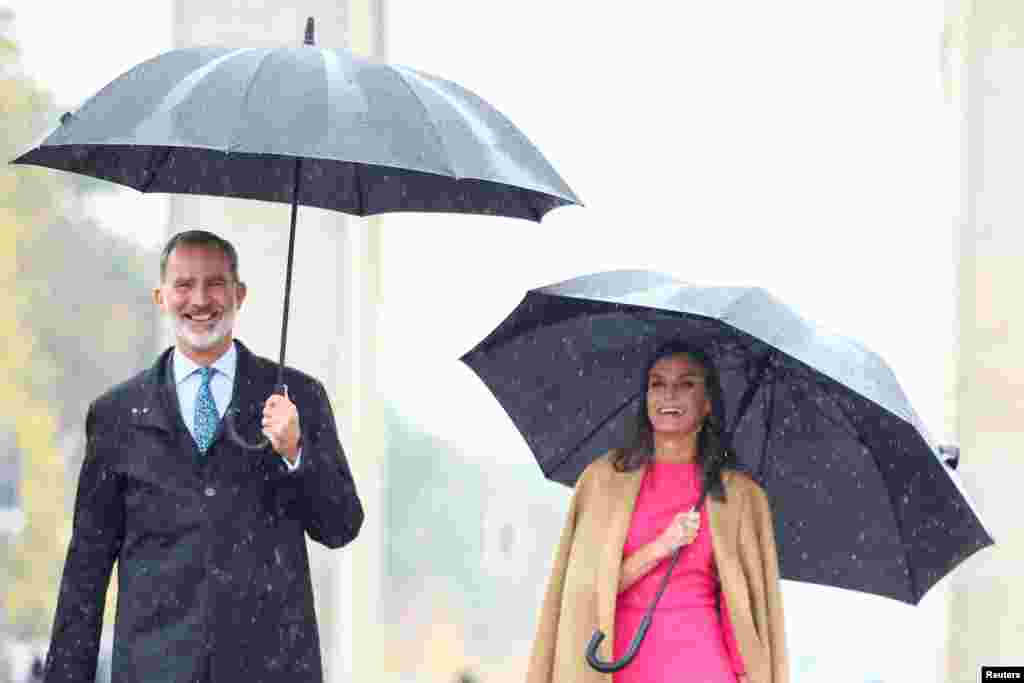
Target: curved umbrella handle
(634,645)
(232,430)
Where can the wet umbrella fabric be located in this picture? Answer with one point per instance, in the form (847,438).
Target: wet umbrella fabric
(860,496)
(304,125)
(373,137)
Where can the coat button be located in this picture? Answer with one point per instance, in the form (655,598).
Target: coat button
(210,492)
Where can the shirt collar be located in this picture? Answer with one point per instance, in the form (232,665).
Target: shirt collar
(185,366)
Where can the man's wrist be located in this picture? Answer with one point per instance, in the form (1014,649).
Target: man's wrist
(292,454)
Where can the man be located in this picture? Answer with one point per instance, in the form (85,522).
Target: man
(209,538)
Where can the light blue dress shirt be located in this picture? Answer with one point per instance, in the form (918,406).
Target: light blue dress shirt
(187,380)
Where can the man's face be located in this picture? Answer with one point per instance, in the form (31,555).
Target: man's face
(200,297)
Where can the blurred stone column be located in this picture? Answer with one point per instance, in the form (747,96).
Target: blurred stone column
(332,330)
(362,400)
(987,605)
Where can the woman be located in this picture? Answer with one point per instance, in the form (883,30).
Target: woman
(720,619)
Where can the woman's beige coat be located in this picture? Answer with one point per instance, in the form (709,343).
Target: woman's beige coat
(582,590)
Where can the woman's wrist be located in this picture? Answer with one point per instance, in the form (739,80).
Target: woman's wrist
(659,550)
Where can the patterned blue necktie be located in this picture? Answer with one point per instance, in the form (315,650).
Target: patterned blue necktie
(206,418)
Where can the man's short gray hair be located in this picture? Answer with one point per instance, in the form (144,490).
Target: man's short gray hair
(200,238)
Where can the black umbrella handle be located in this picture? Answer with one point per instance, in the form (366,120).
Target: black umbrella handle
(645,623)
(231,429)
(634,646)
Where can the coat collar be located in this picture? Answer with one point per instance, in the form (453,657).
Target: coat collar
(624,487)
(158,404)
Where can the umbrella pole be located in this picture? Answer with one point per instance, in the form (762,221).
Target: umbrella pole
(288,275)
(279,388)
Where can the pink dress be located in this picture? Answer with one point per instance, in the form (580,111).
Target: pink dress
(691,638)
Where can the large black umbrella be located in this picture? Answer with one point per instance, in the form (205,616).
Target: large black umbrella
(861,497)
(304,125)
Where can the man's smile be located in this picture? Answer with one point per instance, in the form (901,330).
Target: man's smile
(201,317)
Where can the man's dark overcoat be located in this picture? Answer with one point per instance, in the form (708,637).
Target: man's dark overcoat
(213,574)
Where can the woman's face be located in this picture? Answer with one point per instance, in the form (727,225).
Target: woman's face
(676,399)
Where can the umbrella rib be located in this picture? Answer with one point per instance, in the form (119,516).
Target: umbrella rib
(245,98)
(360,205)
(847,427)
(751,392)
(769,415)
(92,151)
(580,442)
(911,575)
(154,170)
(430,120)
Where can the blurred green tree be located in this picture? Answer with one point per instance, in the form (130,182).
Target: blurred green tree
(75,317)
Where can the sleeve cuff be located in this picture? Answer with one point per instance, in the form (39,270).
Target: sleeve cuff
(298,461)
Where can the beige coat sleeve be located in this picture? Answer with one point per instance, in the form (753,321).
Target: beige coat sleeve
(757,531)
(542,656)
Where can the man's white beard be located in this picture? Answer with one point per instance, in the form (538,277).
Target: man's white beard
(206,340)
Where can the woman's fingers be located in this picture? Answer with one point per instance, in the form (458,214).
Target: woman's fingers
(683,529)
(690,525)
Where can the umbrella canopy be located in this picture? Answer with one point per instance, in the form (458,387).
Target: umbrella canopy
(304,125)
(861,498)
(374,137)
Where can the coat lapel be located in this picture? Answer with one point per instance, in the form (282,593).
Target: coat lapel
(153,407)
(158,407)
(253,384)
(623,489)
(722,520)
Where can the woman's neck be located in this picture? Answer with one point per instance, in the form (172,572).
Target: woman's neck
(673,447)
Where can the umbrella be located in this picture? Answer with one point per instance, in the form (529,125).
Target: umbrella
(861,496)
(304,125)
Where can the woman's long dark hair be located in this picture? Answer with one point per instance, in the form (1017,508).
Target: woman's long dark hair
(713,451)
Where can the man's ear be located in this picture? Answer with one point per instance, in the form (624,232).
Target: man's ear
(158,296)
(242,290)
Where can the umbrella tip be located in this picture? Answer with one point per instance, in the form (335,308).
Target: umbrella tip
(309,31)
(950,455)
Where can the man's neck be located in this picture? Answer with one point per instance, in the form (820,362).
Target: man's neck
(208,357)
